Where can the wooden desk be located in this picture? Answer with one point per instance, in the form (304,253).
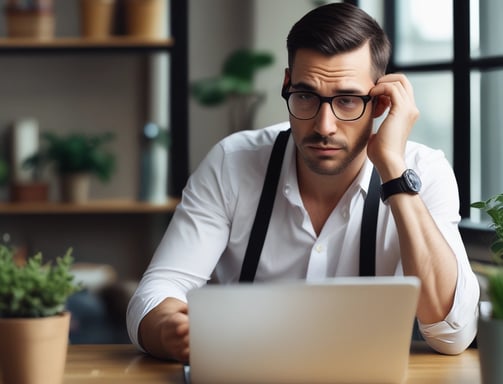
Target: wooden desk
(122,364)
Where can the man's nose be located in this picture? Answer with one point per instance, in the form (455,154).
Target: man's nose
(326,122)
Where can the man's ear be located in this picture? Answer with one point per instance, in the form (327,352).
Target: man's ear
(286,79)
(381,103)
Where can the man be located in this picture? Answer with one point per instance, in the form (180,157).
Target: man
(334,86)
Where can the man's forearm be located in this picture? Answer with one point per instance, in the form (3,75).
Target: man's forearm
(426,254)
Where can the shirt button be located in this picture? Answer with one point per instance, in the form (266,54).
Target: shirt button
(319,248)
(287,189)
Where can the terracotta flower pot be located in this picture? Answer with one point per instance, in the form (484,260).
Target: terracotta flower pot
(33,351)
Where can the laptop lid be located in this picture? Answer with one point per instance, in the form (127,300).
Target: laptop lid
(342,330)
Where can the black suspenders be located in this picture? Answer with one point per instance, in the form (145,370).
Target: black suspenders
(264,210)
(369,227)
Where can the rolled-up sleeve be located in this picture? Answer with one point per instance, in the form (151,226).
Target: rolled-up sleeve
(456,332)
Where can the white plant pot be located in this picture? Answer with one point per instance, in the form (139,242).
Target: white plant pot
(75,187)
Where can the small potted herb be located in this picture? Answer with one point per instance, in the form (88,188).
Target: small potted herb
(34,326)
(490,326)
(76,157)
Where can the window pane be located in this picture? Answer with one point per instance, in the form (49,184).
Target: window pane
(433,95)
(486,28)
(374,8)
(487,135)
(423,31)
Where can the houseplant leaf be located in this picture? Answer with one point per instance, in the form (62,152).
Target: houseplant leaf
(35,289)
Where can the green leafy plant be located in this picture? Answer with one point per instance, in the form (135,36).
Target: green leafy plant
(75,153)
(34,289)
(493,207)
(236,77)
(235,84)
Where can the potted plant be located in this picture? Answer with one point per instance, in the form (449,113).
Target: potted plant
(235,84)
(34,326)
(490,326)
(76,157)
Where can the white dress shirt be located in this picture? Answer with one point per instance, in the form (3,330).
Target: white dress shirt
(208,234)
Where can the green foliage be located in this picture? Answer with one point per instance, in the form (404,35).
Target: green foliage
(236,77)
(495,292)
(34,289)
(76,152)
(494,208)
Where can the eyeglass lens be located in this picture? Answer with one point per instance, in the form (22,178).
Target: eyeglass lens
(305,105)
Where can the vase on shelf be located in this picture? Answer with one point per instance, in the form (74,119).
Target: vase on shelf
(97,18)
(146,18)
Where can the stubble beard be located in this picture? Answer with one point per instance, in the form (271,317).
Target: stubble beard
(318,165)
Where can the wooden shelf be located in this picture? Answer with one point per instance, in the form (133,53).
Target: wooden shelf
(63,44)
(113,206)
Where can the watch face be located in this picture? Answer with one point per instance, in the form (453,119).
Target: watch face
(412,180)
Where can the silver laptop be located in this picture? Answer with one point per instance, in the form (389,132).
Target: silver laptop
(342,330)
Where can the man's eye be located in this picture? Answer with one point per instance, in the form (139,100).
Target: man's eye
(347,102)
(305,96)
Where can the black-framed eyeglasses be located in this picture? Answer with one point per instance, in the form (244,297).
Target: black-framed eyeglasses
(305,105)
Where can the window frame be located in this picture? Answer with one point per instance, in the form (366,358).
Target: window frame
(461,67)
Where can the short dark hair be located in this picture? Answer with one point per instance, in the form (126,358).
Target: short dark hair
(338,28)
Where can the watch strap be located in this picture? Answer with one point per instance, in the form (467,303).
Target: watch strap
(398,185)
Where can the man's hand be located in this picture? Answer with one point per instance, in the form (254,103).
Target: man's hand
(164,331)
(386,147)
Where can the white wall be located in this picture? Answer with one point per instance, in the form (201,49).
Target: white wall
(218,27)
(272,22)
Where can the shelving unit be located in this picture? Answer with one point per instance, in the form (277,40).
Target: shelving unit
(178,13)
(83,44)
(133,227)
(113,206)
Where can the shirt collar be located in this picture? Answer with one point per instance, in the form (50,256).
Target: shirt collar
(363,178)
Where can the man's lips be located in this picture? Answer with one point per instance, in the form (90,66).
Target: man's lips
(323,149)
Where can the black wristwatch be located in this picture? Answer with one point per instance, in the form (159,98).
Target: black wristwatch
(409,182)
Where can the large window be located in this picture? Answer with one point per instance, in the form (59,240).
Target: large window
(452,51)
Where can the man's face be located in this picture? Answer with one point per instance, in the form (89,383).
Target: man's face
(326,145)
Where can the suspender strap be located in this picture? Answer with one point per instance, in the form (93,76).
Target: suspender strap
(369,227)
(264,210)
(266,202)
